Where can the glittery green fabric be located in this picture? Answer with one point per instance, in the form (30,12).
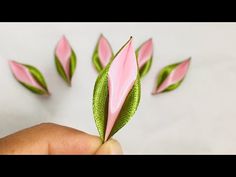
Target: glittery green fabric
(100,104)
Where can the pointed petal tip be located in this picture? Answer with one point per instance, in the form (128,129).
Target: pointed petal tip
(154,93)
(104,50)
(47,93)
(63,37)
(130,41)
(187,61)
(150,40)
(11,62)
(63,40)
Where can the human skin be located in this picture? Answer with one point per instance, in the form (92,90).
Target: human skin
(49,138)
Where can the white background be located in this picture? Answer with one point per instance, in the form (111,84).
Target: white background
(198,117)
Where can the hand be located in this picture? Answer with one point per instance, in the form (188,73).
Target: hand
(48,138)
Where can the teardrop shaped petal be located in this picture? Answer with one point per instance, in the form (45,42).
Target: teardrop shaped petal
(104,51)
(65,59)
(145,52)
(29,76)
(121,77)
(63,52)
(102,54)
(176,74)
(117,92)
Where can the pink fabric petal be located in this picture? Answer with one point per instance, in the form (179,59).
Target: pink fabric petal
(63,53)
(104,51)
(121,77)
(22,74)
(175,76)
(145,52)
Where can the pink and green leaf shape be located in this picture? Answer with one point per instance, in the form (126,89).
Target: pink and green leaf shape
(30,77)
(102,54)
(65,60)
(117,92)
(171,76)
(144,56)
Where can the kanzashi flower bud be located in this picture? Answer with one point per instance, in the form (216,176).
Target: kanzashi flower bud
(171,76)
(117,92)
(102,54)
(65,60)
(30,77)
(144,56)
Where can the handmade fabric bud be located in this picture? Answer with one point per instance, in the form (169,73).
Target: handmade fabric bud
(117,92)
(102,53)
(65,60)
(144,56)
(171,76)
(30,77)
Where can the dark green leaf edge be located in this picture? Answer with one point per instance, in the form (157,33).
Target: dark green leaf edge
(61,71)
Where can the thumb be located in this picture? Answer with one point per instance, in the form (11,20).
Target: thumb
(110,147)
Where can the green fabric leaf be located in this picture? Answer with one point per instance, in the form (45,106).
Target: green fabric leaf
(100,104)
(34,89)
(60,70)
(73,63)
(164,73)
(128,109)
(145,68)
(180,69)
(37,75)
(100,101)
(96,60)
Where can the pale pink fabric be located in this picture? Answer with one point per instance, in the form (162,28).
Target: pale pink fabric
(63,53)
(145,52)
(175,76)
(22,74)
(104,51)
(121,77)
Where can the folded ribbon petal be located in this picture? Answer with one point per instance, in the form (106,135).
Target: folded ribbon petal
(145,52)
(117,92)
(29,76)
(104,51)
(144,55)
(65,59)
(174,75)
(121,77)
(102,54)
